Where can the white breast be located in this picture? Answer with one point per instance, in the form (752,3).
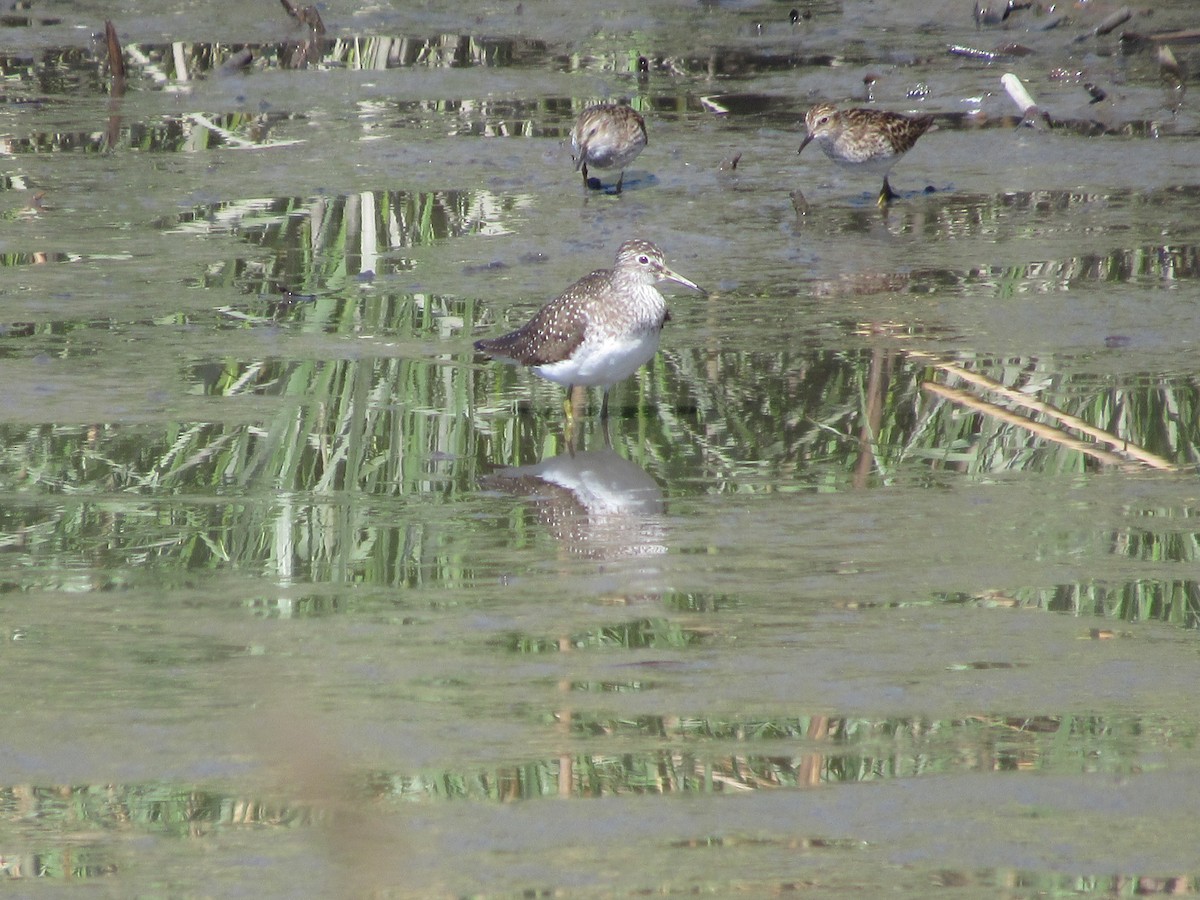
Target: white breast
(603,361)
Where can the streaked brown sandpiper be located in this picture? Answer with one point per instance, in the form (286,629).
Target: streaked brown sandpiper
(607,136)
(873,140)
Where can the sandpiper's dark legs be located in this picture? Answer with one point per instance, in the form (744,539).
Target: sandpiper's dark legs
(609,136)
(604,407)
(588,184)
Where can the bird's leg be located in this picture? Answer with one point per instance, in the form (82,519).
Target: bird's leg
(569,437)
(886,194)
(604,407)
(620,179)
(583,168)
(575,404)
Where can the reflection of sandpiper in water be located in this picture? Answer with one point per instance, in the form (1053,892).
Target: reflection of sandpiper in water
(598,504)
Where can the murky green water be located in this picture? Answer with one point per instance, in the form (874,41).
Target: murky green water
(884,582)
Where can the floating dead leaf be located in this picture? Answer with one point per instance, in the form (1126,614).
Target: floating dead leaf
(307,15)
(1168,65)
(997,11)
(1173,74)
(1183,36)
(1122,15)
(996,599)
(116,59)
(236,61)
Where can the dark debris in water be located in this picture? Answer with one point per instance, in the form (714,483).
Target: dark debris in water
(1009,50)
(495,265)
(995,12)
(12,21)
(982,665)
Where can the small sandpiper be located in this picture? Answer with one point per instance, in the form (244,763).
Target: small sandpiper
(868,139)
(600,330)
(607,136)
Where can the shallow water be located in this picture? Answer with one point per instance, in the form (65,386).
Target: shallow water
(884,580)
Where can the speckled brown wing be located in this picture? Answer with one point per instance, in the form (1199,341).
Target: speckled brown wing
(554,331)
(608,135)
(869,134)
(904,133)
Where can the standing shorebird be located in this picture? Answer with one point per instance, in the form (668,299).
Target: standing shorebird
(868,139)
(607,136)
(600,330)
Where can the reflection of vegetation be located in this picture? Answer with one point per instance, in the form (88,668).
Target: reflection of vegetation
(1135,601)
(707,756)
(378,52)
(321,242)
(8,260)
(129,809)
(302,484)
(658,755)
(67,69)
(298,485)
(641,634)
(167,810)
(772,418)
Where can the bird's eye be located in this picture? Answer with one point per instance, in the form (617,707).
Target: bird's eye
(822,120)
(643,259)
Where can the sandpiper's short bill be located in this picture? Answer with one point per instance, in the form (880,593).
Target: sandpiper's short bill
(601,329)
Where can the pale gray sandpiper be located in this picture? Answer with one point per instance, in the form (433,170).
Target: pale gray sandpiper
(600,330)
(607,136)
(873,140)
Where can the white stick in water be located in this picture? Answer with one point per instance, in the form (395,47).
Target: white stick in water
(1017,92)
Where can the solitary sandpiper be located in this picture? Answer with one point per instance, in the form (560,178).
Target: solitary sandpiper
(869,139)
(607,136)
(600,330)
